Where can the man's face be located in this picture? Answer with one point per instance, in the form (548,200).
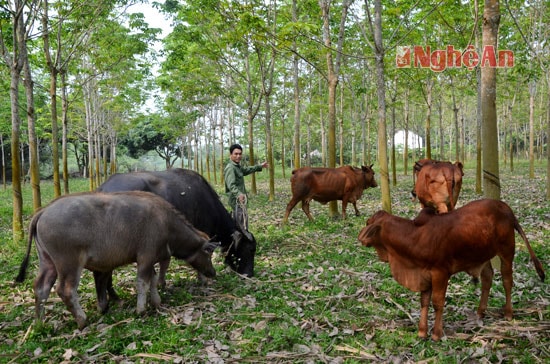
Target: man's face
(237,155)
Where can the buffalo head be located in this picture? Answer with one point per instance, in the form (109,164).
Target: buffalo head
(240,254)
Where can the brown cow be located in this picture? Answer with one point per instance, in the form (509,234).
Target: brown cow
(345,183)
(102,231)
(424,253)
(437,184)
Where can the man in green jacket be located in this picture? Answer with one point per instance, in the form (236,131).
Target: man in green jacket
(234,183)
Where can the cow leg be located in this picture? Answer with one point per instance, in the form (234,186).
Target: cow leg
(344,207)
(67,291)
(357,213)
(425,299)
(289,208)
(439,289)
(163,267)
(486,282)
(43,283)
(305,208)
(506,267)
(102,281)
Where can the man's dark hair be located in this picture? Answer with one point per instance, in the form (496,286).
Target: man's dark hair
(235,146)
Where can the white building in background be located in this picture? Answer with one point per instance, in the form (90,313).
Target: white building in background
(414,141)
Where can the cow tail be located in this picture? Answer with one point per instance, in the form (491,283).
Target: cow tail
(534,259)
(32,233)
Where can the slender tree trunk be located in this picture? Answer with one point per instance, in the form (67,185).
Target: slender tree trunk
(296,82)
(53,70)
(393,117)
(429,87)
(491,175)
(455,115)
(16,62)
(332,79)
(381,93)
(3,161)
(333,67)
(406,146)
(532,93)
(548,137)
(33,141)
(65,122)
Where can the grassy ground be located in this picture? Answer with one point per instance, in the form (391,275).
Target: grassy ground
(318,296)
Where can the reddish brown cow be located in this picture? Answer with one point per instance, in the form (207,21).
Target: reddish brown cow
(424,253)
(437,184)
(329,184)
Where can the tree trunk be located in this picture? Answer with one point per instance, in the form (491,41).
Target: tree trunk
(31,121)
(16,62)
(333,68)
(381,93)
(548,137)
(3,154)
(457,129)
(429,87)
(53,70)
(296,81)
(65,132)
(491,176)
(532,93)
(406,146)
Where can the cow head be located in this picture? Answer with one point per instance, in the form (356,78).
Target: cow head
(368,177)
(240,254)
(370,234)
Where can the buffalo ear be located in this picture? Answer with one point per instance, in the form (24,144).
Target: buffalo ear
(236,236)
(248,235)
(210,246)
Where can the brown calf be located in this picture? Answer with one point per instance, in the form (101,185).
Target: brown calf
(329,184)
(424,253)
(437,184)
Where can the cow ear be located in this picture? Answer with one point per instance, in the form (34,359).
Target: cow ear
(368,232)
(210,246)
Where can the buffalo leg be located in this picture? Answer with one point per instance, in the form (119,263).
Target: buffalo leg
(113,296)
(439,289)
(43,283)
(102,281)
(163,267)
(486,282)
(146,280)
(425,300)
(67,291)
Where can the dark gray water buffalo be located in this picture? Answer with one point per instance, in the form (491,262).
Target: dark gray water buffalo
(191,194)
(102,231)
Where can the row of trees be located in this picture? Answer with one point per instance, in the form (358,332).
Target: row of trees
(284,78)
(325,75)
